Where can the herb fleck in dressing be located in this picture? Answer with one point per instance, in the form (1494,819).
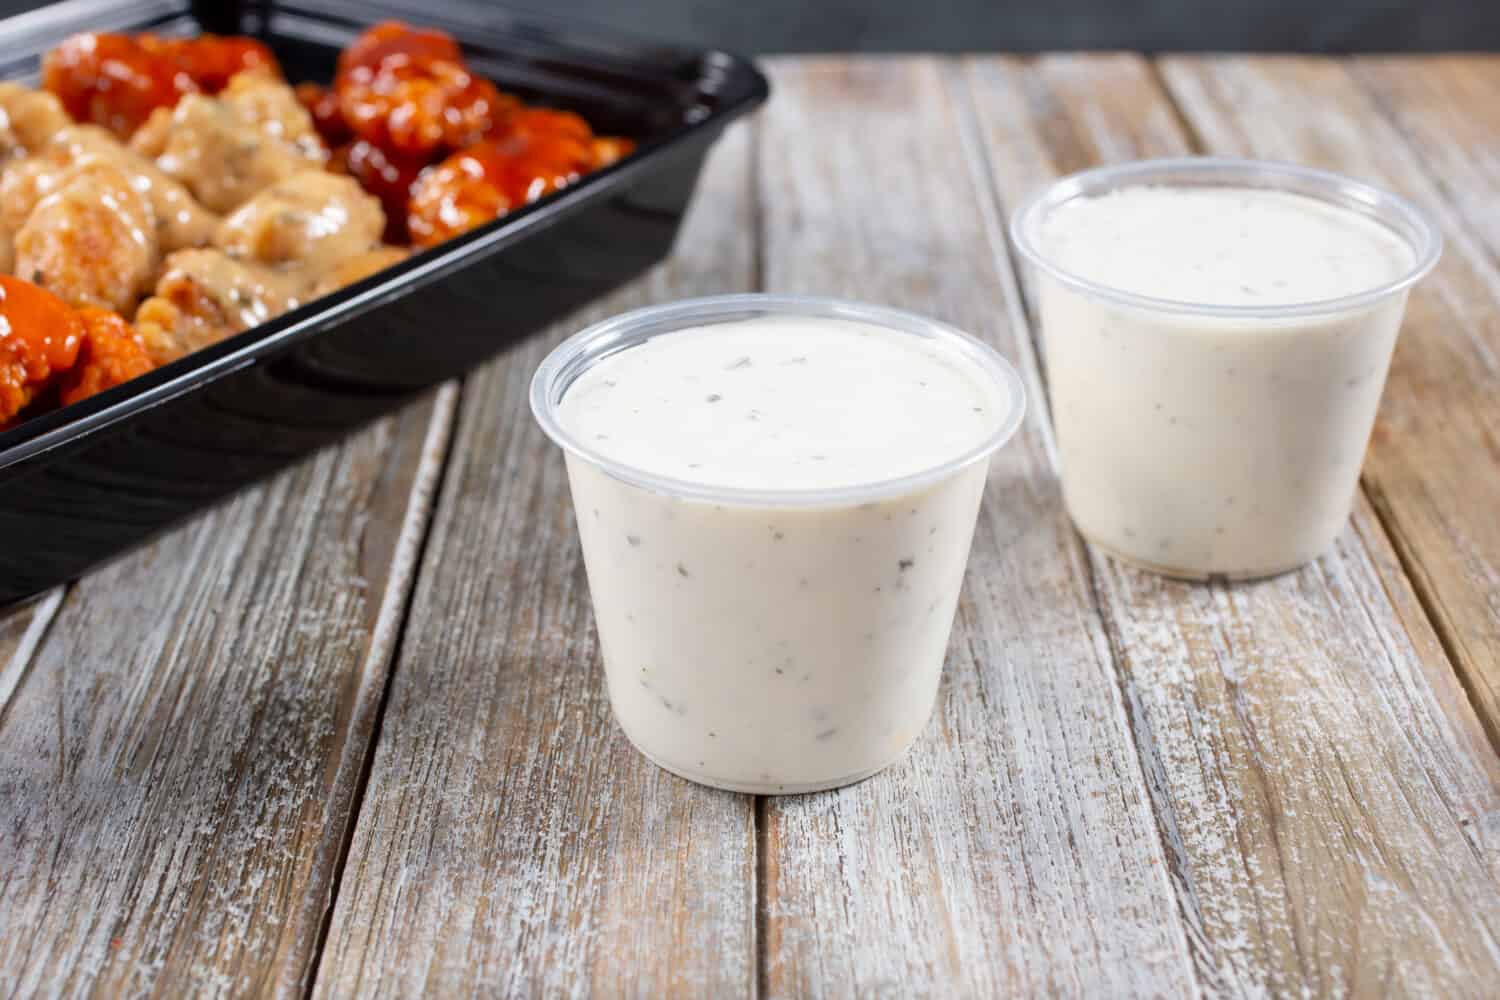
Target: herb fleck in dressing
(791,647)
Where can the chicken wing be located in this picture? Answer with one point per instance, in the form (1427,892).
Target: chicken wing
(535,152)
(92,241)
(112,80)
(39,337)
(110,353)
(23,183)
(181,221)
(117,80)
(28,119)
(265,102)
(408,91)
(312,218)
(204,296)
(352,269)
(226,149)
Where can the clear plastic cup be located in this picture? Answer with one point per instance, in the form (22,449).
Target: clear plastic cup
(1201,440)
(777,640)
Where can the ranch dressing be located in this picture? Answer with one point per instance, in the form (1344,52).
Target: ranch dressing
(1203,443)
(791,645)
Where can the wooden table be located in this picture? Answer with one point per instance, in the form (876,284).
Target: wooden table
(346,734)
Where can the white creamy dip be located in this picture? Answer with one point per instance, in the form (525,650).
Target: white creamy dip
(1203,443)
(790,645)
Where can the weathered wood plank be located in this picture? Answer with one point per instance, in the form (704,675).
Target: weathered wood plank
(21,631)
(178,766)
(1448,108)
(1318,775)
(1433,471)
(511,841)
(1013,851)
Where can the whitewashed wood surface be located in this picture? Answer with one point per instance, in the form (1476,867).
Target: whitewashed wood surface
(346,735)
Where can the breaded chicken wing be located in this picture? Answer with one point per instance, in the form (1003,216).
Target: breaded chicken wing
(313,218)
(269,104)
(352,269)
(92,241)
(204,296)
(23,183)
(181,222)
(28,119)
(226,149)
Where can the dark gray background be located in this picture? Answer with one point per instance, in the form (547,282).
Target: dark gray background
(1029,25)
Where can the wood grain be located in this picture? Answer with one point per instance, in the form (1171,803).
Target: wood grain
(1433,471)
(21,632)
(1013,850)
(511,840)
(1448,109)
(178,763)
(1329,803)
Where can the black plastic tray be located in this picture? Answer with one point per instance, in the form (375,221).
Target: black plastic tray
(86,482)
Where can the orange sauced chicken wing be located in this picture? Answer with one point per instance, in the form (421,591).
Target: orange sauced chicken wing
(387,176)
(118,80)
(112,80)
(211,61)
(110,353)
(484,182)
(394,41)
(534,152)
(328,118)
(47,346)
(92,242)
(39,338)
(409,92)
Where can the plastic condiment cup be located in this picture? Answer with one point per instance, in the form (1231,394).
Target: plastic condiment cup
(1201,440)
(801,651)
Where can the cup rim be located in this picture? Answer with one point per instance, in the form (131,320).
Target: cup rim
(1386,209)
(570,359)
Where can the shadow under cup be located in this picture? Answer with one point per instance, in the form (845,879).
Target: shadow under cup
(764,640)
(1199,440)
